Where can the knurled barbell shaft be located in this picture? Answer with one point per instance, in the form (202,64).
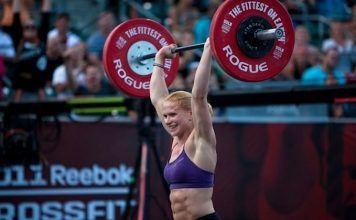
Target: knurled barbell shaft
(175,50)
(269,34)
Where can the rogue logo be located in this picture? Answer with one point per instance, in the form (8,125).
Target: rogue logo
(243,66)
(121,72)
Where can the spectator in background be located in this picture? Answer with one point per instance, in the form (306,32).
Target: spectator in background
(296,7)
(350,108)
(70,75)
(304,53)
(333,9)
(95,43)
(181,16)
(30,64)
(201,27)
(2,73)
(314,56)
(16,28)
(7,50)
(188,63)
(213,83)
(54,53)
(326,74)
(66,38)
(352,32)
(340,39)
(352,5)
(287,73)
(31,61)
(95,83)
(186,59)
(8,15)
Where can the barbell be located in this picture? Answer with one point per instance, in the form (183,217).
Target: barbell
(251,40)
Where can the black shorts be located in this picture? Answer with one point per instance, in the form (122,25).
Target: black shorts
(212,216)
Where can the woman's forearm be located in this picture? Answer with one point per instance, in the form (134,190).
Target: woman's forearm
(202,75)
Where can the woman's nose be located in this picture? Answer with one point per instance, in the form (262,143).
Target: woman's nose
(168,120)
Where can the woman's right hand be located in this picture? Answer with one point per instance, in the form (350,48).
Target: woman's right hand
(165,52)
(207,43)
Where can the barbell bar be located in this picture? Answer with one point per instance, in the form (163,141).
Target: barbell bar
(251,41)
(269,34)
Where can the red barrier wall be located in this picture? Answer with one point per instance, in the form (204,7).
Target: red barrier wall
(265,171)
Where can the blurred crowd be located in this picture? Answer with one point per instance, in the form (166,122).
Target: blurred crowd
(40,58)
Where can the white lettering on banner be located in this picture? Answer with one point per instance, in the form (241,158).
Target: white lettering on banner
(129,80)
(60,175)
(63,176)
(53,210)
(6,177)
(69,182)
(38,179)
(50,210)
(96,209)
(243,66)
(19,176)
(28,211)
(7,211)
(74,210)
(15,176)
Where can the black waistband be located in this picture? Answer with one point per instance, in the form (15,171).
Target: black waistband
(212,216)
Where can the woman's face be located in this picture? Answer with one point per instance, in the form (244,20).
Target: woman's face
(177,120)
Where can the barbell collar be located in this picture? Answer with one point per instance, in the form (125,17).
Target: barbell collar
(269,34)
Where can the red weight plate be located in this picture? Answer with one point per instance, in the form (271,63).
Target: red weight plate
(228,54)
(128,41)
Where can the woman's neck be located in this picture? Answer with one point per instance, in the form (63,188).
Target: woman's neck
(183,138)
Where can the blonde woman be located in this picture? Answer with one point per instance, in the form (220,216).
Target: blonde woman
(187,117)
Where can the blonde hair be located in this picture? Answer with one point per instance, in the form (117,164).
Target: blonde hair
(184,100)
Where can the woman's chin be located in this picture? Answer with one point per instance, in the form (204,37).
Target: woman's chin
(174,132)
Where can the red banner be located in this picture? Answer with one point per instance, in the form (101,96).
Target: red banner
(265,171)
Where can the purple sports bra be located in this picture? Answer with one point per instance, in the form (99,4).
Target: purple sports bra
(183,173)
